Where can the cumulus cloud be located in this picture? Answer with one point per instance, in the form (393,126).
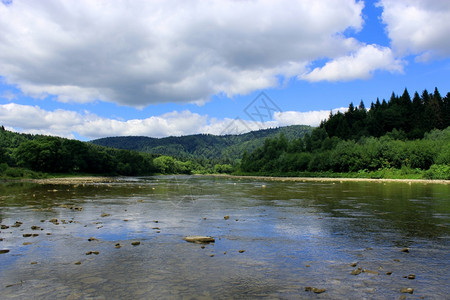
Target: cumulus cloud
(359,65)
(418,27)
(142,52)
(71,124)
(311,118)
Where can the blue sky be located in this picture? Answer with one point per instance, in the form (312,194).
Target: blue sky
(85,69)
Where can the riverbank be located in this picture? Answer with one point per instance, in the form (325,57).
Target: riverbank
(103,179)
(332,179)
(74,180)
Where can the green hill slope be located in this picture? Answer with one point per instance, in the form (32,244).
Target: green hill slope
(203,146)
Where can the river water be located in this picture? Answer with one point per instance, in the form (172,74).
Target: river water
(281,240)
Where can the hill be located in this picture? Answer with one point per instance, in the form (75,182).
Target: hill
(226,148)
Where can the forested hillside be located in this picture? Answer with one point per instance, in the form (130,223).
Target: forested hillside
(31,155)
(202,147)
(401,137)
(26,155)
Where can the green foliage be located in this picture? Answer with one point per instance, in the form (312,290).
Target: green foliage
(438,172)
(204,148)
(342,144)
(401,117)
(26,153)
(223,169)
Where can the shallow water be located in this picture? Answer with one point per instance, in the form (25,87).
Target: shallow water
(295,235)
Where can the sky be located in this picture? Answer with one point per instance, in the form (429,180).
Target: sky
(89,69)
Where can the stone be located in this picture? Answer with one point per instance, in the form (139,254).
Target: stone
(4,227)
(370,272)
(354,264)
(388,273)
(92,239)
(315,290)
(118,245)
(3,251)
(77,263)
(356,272)
(105,215)
(241,251)
(226,217)
(136,243)
(406,250)
(407,290)
(34,227)
(411,276)
(26,234)
(199,239)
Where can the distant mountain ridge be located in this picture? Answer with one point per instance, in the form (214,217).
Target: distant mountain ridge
(203,146)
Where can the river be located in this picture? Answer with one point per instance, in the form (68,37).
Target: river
(273,239)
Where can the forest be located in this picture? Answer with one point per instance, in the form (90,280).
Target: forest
(27,155)
(205,148)
(396,138)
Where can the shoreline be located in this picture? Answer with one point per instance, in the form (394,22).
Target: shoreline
(105,179)
(74,180)
(333,179)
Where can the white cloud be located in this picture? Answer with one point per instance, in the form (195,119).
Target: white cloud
(311,118)
(71,124)
(418,27)
(359,65)
(141,52)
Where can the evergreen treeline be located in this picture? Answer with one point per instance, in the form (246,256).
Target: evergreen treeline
(413,117)
(390,139)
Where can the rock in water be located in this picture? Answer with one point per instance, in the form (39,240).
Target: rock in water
(407,290)
(199,239)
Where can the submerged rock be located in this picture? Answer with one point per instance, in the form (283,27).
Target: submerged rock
(370,272)
(407,290)
(315,290)
(199,239)
(17,224)
(356,272)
